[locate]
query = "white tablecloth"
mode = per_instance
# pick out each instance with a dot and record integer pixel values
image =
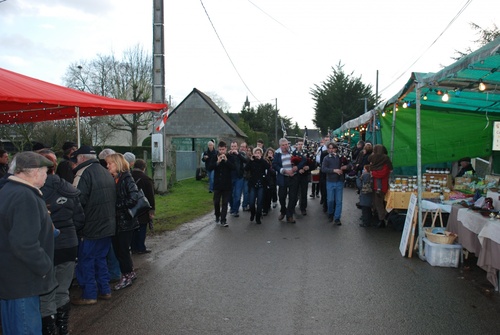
(482, 226)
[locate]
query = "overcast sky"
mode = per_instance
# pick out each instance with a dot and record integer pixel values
(280, 48)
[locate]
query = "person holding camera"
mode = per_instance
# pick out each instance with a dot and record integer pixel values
(270, 194)
(257, 183)
(238, 158)
(223, 185)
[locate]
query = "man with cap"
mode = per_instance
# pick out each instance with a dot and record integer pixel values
(98, 197)
(464, 166)
(26, 245)
(65, 168)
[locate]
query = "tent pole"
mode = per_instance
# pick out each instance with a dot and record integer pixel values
(77, 111)
(419, 174)
(393, 130)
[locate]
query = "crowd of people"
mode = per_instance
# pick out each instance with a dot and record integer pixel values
(64, 222)
(262, 177)
(69, 220)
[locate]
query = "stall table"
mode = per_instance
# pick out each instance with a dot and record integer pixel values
(479, 235)
(400, 200)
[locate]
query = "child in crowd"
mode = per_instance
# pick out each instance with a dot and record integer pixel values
(365, 185)
(381, 167)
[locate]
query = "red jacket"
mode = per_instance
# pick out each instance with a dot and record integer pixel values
(382, 174)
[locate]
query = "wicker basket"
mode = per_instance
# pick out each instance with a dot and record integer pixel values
(445, 237)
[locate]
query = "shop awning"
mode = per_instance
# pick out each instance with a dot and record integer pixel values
(24, 99)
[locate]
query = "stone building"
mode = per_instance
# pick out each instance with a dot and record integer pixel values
(195, 121)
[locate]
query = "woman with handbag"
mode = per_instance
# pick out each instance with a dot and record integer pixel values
(127, 196)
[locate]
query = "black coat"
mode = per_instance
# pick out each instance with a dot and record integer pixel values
(26, 242)
(239, 160)
(127, 194)
(222, 174)
(211, 155)
(258, 169)
(145, 184)
(98, 199)
(67, 215)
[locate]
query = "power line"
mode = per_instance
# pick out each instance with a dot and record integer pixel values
(467, 3)
(272, 18)
(227, 54)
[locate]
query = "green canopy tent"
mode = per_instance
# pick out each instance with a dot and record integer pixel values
(352, 127)
(448, 114)
(460, 126)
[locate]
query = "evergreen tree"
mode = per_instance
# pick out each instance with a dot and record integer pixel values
(340, 98)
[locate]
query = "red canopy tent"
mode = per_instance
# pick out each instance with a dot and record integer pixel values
(24, 99)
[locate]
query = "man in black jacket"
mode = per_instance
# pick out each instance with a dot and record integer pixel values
(26, 245)
(98, 198)
(223, 167)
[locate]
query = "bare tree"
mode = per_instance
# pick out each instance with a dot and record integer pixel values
(219, 101)
(18, 134)
(129, 78)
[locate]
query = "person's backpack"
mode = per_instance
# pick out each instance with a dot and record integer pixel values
(367, 186)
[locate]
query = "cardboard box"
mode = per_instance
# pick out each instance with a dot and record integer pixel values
(464, 180)
(491, 178)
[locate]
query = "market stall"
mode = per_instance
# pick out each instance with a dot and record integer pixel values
(480, 235)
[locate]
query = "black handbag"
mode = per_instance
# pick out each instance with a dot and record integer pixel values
(141, 207)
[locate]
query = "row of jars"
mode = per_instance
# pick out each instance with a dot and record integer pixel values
(431, 184)
(438, 170)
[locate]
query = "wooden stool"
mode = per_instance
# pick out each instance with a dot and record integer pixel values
(435, 213)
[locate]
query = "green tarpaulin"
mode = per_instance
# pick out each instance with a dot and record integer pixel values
(445, 136)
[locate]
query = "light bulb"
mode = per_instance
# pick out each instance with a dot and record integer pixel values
(405, 105)
(482, 86)
(425, 96)
(383, 113)
(445, 97)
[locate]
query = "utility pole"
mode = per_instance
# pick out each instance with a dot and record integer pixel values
(160, 168)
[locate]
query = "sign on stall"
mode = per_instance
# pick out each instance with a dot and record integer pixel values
(409, 225)
(496, 136)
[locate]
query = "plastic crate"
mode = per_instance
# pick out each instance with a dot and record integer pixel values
(445, 255)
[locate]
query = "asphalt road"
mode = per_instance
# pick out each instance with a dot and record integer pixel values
(311, 277)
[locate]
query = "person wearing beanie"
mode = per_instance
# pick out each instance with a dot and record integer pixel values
(130, 158)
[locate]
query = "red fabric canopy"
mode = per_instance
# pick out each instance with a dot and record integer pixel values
(24, 99)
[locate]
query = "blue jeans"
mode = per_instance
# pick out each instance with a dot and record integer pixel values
(236, 197)
(21, 316)
(334, 193)
(92, 269)
(256, 195)
(246, 194)
(211, 180)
